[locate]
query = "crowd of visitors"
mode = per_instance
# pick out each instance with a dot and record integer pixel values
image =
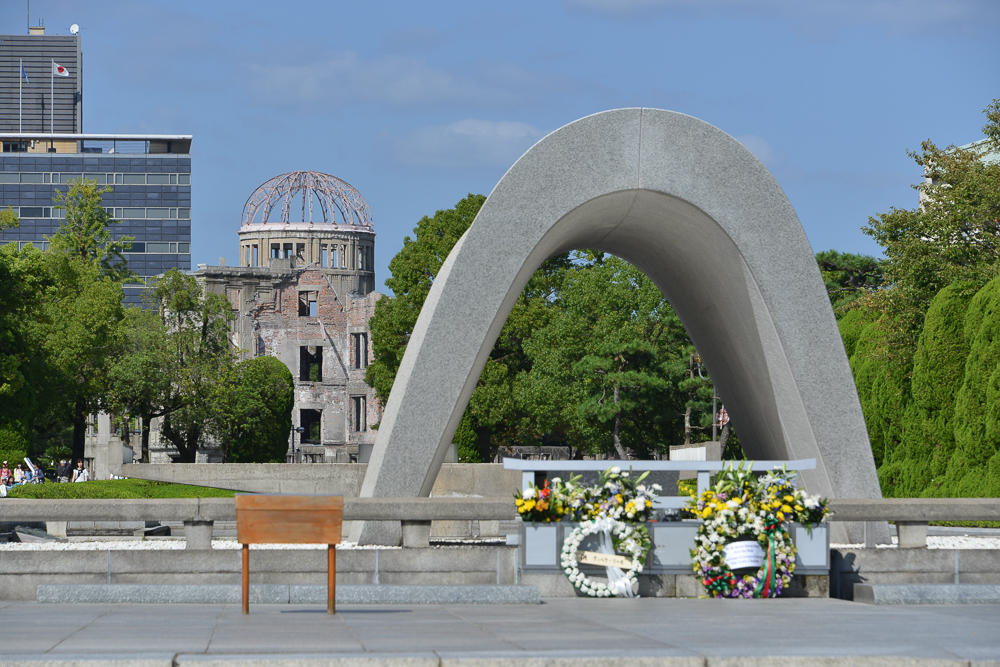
(29, 473)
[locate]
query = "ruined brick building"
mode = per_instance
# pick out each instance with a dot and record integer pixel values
(304, 292)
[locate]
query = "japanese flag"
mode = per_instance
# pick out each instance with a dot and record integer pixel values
(59, 70)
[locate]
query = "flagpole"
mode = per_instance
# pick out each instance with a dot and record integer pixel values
(52, 97)
(20, 80)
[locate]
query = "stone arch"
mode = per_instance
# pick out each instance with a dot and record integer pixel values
(703, 218)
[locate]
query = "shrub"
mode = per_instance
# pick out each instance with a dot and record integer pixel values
(977, 402)
(882, 388)
(938, 369)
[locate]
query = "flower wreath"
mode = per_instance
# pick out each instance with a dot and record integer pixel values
(772, 576)
(739, 505)
(633, 540)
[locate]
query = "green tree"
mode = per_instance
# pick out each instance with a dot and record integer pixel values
(141, 375)
(9, 219)
(253, 411)
(954, 233)
(848, 276)
(200, 354)
(80, 320)
(86, 229)
(621, 377)
(609, 327)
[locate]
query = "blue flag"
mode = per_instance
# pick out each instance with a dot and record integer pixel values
(24, 74)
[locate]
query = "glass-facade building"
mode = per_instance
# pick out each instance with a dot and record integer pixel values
(150, 181)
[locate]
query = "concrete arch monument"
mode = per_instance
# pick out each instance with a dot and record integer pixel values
(701, 216)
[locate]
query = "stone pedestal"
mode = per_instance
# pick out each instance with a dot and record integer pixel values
(198, 534)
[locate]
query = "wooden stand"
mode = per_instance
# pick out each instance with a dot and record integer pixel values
(264, 519)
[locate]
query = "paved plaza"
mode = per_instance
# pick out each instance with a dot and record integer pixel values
(559, 631)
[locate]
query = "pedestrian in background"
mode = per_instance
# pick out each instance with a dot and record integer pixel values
(63, 471)
(81, 474)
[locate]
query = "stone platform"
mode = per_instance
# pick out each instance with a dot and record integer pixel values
(284, 594)
(927, 593)
(558, 632)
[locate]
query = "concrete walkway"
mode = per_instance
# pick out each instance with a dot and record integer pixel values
(560, 631)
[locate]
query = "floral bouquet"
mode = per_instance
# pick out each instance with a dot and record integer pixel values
(550, 502)
(619, 495)
(742, 507)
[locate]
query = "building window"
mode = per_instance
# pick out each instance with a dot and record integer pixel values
(324, 256)
(359, 341)
(310, 421)
(275, 250)
(311, 363)
(359, 421)
(15, 147)
(307, 304)
(287, 250)
(255, 257)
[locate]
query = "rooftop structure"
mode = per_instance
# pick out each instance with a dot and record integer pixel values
(41, 82)
(308, 218)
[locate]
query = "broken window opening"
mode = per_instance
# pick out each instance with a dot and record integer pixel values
(275, 250)
(360, 344)
(307, 304)
(310, 421)
(360, 421)
(311, 363)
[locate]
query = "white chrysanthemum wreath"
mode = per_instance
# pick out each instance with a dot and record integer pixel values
(626, 537)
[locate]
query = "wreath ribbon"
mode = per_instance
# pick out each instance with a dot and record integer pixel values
(766, 582)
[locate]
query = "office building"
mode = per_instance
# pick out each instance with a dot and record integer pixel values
(150, 178)
(45, 148)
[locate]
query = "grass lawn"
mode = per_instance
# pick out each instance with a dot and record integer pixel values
(117, 488)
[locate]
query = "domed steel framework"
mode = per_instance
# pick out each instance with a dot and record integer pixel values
(312, 193)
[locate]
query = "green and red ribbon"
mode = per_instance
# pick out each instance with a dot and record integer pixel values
(720, 583)
(766, 583)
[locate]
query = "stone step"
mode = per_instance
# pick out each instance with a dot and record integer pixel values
(927, 593)
(286, 594)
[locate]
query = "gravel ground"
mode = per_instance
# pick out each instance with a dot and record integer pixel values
(126, 544)
(940, 542)
(129, 544)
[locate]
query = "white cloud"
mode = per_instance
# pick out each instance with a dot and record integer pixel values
(467, 143)
(348, 78)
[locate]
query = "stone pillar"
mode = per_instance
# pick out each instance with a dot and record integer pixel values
(911, 535)
(198, 534)
(416, 534)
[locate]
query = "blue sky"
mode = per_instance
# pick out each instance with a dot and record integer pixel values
(418, 104)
